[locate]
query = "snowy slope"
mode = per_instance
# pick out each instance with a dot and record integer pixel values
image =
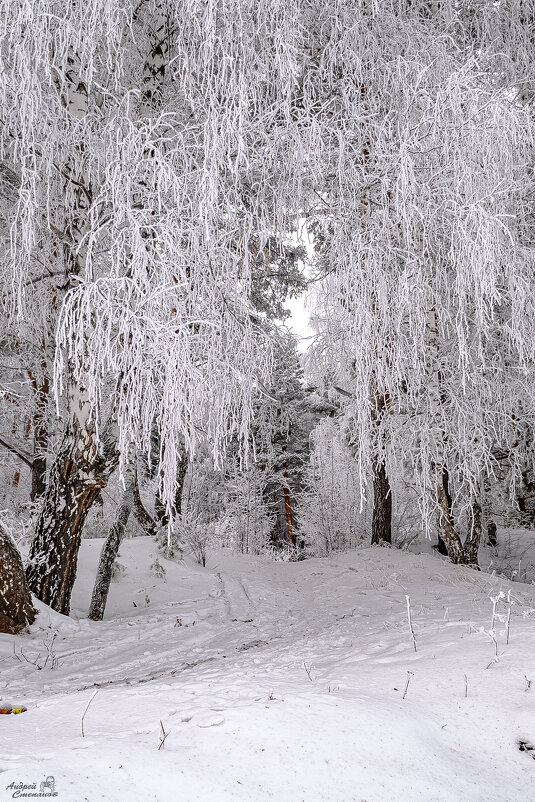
(284, 681)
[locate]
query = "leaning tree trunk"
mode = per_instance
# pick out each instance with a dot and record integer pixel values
(382, 507)
(110, 550)
(16, 608)
(81, 469)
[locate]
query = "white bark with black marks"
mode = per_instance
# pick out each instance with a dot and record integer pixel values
(110, 549)
(81, 469)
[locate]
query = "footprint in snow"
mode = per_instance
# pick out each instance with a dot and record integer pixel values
(208, 719)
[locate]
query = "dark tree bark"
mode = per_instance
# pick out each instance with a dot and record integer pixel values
(382, 494)
(181, 476)
(81, 469)
(110, 550)
(160, 511)
(288, 515)
(16, 608)
(38, 478)
(141, 515)
(40, 436)
(446, 529)
(382, 507)
(491, 533)
(444, 501)
(471, 544)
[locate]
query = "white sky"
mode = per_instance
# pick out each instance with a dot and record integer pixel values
(299, 321)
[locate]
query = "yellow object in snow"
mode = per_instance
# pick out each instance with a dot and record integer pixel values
(12, 708)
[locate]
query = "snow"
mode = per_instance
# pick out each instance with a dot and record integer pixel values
(284, 681)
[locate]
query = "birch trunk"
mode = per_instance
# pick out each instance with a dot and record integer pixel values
(110, 550)
(80, 471)
(83, 465)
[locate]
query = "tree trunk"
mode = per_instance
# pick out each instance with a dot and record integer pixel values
(288, 515)
(160, 511)
(446, 528)
(16, 608)
(491, 533)
(489, 520)
(445, 479)
(382, 494)
(382, 507)
(38, 478)
(110, 549)
(140, 513)
(40, 435)
(471, 544)
(181, 476)
(81, 469)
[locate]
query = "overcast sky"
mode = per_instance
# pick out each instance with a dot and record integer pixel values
(299, 320)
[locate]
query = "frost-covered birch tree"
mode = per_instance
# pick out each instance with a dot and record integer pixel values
(426, 316)
(147, 139)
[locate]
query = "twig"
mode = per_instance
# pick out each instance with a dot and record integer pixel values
(163, 736)
(508, 621)
(409, 675)
(410, 623)
(85, 711)
(495, 600)
(307, 669)
(465, 686)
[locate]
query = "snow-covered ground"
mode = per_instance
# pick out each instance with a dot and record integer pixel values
(279, 681)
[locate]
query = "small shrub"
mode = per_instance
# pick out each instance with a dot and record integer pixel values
(158, 570)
